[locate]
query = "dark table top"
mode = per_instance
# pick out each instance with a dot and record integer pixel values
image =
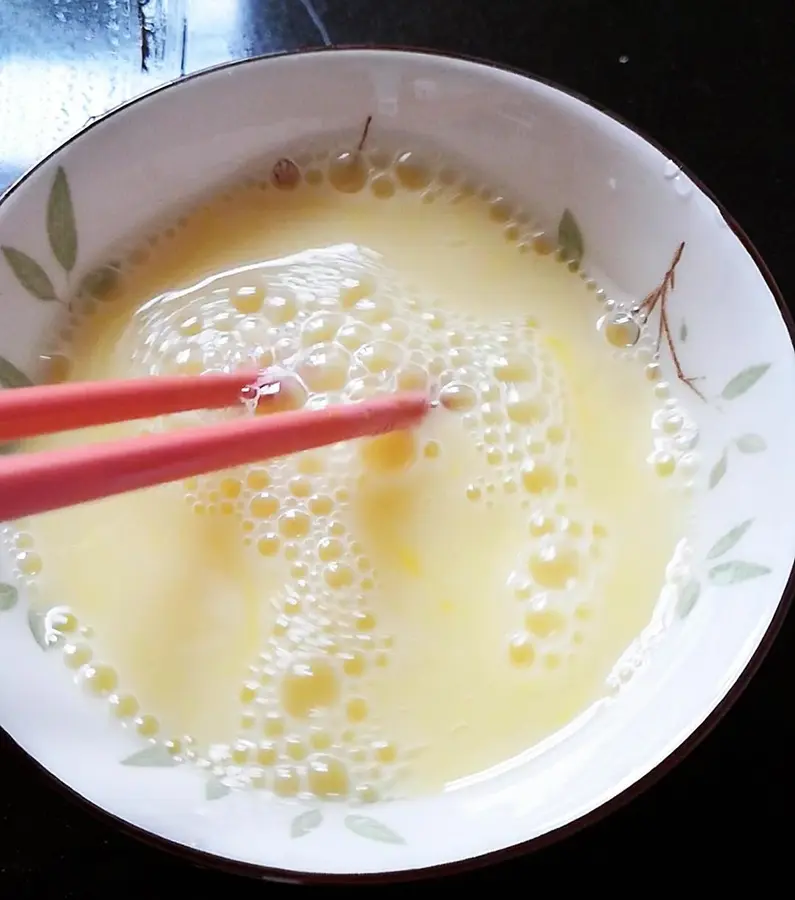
(715, 84)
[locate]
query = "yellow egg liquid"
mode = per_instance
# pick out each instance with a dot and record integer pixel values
(387, 616)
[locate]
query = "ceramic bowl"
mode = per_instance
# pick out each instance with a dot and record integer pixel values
(617, 202)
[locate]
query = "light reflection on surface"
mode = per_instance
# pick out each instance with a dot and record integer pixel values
(63, 62)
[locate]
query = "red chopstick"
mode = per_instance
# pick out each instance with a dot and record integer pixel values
(47, 409)
(39, 482)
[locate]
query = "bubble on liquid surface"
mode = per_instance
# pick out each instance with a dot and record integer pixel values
(328, 777)
(556, 565)
(521, 651)
(458, 397)
(348, 172)
(620, 329)
(335, 325)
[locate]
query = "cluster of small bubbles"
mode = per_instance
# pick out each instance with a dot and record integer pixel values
(356, 168)
(303, 719)
(328, 326)
(674, 433)
(675, 438)
(350, 169)
(59, 627)
(678, 581)
(333, 325)
(26, 559)
(308, 731)
(553, 584)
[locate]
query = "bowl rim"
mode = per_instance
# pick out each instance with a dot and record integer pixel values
(208, 860)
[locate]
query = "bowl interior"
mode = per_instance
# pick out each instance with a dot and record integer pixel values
(632, 207)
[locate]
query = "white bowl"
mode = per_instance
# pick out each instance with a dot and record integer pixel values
(633, 206)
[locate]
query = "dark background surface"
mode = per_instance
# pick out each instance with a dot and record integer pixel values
(715, 84)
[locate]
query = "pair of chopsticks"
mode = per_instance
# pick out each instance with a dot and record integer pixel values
(52, 479)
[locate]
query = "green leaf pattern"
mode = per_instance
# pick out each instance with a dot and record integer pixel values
(748, 443)
(8, 597)
(722, 574)
(751, 443)
(155, 756)
(305, 822)
(744, 381)
(372, 829)
(719, 471)
(688, 597)
(11, 376)
(62, 235)
(215, 789)
(735, 572)
(570, 240)
(61, 225)
(30, 274)
(732, 537)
